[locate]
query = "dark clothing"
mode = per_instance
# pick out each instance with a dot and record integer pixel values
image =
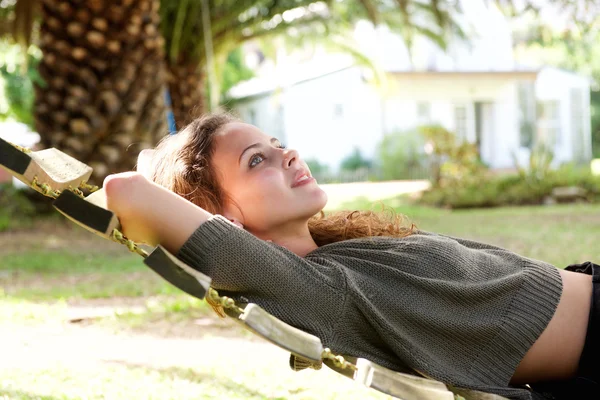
(586, 385)
(462, 312)
(589, 368)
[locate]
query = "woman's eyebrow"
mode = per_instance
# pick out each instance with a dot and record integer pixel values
(246, 149)
(273, 141)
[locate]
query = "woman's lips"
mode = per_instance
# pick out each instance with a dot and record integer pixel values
(305, 179)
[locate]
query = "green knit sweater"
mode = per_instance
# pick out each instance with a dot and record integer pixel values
(459, 311)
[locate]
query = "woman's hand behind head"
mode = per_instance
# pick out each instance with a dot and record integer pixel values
(128, 195)
(151, 214)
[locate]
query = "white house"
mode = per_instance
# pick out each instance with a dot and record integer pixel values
(327, 107)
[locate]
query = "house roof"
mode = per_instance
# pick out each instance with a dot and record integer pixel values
(514, 73)
(258, 87)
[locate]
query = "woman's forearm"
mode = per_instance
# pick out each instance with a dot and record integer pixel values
(150, 213)
(174, 219)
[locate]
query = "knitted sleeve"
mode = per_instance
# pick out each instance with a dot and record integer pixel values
(306, 294)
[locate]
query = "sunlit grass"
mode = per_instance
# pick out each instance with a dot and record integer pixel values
(45, 275)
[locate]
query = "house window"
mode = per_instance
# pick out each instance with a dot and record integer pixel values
(424, 112)
(338, 110)
(548, 124)
(577, 121)
(526, 104)
(460, 122)
(252, 117)
(279, 124)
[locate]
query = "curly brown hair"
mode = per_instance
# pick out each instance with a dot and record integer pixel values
(182, 164)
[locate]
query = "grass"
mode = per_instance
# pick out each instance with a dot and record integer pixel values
(43, 275)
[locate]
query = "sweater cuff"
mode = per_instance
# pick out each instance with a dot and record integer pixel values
(203, 240)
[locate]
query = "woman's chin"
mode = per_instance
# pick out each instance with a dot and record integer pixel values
(318, 199)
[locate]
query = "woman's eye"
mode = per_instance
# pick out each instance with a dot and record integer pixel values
(255, 160)
(281, 146)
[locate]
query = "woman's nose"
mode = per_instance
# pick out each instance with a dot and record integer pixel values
(289, 157)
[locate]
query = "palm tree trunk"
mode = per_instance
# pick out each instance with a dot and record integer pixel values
(186, 85)
(105, 78)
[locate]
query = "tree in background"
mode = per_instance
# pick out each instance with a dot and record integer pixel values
(107, 63)
(317, 168)
(355, 161)
(16, 85)
(103, 67)
(234, 71)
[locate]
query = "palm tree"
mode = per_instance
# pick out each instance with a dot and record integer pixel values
(103, 67)
(233, 22)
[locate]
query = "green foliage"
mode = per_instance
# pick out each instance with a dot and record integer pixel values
(540, 163)
(508, 190)
(355, 161)
(464, 182)
(316, 167)
(18, 84)
(453, 160)
(14, 203)
(595, 113)
(400, 155)
(234, 71)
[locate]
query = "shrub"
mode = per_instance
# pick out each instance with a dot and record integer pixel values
(15, 208)
(355, 161)
(515, 189)
(316, 167)
(453, 160)
(400, 155)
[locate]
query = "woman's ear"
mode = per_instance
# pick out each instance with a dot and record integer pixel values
(233, 215)
(236, 222)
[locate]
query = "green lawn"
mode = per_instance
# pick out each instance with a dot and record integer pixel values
(44, 273)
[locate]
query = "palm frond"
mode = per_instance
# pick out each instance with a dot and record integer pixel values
(372, 11)
(25, 14)
(177, 30)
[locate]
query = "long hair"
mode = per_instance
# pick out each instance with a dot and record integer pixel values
(182, 164)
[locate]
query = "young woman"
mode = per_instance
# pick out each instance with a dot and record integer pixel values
(462, 312)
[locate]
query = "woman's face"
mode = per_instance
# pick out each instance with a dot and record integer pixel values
(271, 187)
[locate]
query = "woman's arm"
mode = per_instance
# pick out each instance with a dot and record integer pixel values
(150, 213)
(235, 259)
(306, 294)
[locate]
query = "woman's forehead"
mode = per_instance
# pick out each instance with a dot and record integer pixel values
(238, 134)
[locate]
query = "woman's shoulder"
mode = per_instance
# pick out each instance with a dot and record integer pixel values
(370, 243)
(420, 243)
